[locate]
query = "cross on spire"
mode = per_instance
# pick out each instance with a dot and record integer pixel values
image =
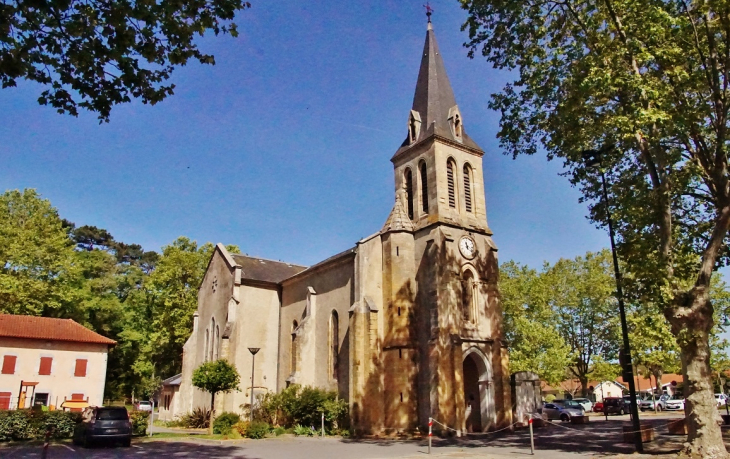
(429, 11)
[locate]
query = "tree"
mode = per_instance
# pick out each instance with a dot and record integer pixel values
(650, 78)
(529, 324)
(97, 54)
(36, 257)
(585, 309)
(214, 377)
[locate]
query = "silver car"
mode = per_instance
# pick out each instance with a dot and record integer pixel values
(562, 409)
(675, 404)
(585, 403)
(647, 403)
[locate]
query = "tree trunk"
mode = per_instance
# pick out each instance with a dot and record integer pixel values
(212, 411)
(691, 323)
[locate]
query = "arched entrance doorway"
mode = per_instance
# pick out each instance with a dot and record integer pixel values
(478, 392)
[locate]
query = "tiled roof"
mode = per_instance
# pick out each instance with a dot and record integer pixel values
(260, 269)
(173, 380)
(47, 328)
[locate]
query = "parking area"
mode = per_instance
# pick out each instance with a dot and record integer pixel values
(598, 438)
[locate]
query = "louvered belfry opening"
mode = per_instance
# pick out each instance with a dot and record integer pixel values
(424, 188)
(452, 186)
(409, 192)
(467, 188)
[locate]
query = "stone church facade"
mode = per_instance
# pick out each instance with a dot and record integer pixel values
(406, 325)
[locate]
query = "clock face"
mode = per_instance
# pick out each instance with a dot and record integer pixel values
(467, 247)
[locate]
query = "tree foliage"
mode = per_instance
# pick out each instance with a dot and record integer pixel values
(96, 54)
(651, 78)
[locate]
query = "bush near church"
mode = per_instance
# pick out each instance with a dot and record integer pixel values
(33, 424)
(140, 420)
(297, 405)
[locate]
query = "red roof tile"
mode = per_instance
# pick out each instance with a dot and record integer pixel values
(46, 328)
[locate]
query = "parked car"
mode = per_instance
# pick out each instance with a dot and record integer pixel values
(615, 405)
(103, 423)
(648, 402)
(562, 409)
(721, 400)
(143, 405)
(598, 407)
(674, 404)
(585, 403)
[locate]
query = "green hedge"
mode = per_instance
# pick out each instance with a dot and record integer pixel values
(33, 424)
(223, 423)
(140, 421)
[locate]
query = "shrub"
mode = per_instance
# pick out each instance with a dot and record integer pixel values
(224, 423)
(258, 430)
(549, 398)
(300, 430)
(241, 427)
(199, 418)
(140, 420)
(279, 431)
(302, 405)
(33, 424)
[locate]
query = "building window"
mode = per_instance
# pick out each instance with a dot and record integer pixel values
(334, 341)
(44, 369)
(212, 338)
(217, 344)
(450, 182)
(409, 192)
(424, 187)
(414, 123)
(467, 187)
(207, 344)
(457, 126)
(469, 295)
(80, 370)
(9, 364)
(293, 350)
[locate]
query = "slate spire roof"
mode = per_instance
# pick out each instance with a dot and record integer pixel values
(434, 97)
(398, 219)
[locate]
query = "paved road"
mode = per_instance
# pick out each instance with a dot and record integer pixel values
(598, 438)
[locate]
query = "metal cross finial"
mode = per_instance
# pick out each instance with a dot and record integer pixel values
(429, 11)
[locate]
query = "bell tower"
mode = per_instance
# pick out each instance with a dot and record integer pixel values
(438, 165)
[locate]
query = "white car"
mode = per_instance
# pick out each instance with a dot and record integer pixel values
(674, 404)
(144, 406)
(721, 400)
(585, 403)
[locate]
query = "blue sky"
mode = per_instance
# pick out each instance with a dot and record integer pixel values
(283, 146)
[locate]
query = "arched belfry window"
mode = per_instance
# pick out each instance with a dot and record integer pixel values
(424, 186)
(293, 349)
(450, 166)
(334, 341)
(467, 188)
(469, 296)
(409, 192)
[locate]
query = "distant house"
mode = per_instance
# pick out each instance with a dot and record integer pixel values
(605, 389)
(169, 404)
(51, 362)
(668, 384)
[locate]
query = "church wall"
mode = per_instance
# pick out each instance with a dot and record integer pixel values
(329, 288)
(213, 296)
(256, 325)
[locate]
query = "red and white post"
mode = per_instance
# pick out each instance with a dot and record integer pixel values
(532, 439)
(430, 433)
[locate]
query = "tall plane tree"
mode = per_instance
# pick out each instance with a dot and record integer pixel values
(650, 77)
(99, 53)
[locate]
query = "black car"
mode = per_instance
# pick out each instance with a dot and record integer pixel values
(104, 423)
(615, 405)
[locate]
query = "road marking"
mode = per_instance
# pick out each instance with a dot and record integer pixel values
(68, 448)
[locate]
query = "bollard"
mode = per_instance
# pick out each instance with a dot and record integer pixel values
(322, 425)
(532, 439)
(430, 433)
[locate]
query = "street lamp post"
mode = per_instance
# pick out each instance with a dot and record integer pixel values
(593, 159)
(253, 351)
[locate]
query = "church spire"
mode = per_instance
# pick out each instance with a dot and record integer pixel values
(434, 109)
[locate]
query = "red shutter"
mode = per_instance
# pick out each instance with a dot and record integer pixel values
(77, 396)
(5, 400)
(45, 367)
(9, 364)
(80, 368)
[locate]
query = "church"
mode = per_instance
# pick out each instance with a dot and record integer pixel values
(405, 325)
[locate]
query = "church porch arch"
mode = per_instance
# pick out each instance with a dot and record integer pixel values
(478, 385)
